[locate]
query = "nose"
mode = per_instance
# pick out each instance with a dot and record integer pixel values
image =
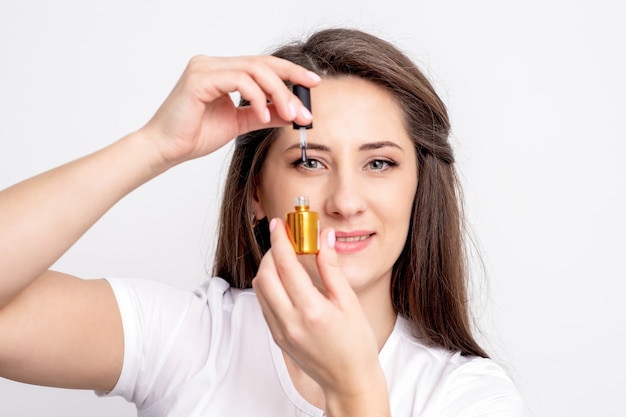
(346, 196)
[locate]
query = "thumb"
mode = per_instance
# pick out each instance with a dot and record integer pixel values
(329, 268)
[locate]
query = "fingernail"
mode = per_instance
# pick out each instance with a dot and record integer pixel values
(305, 113)
(267, 115)
(330, 239)
(292, 110)
(272, 225)
(313, 76)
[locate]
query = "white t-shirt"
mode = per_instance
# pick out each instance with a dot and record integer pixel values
(210, 353)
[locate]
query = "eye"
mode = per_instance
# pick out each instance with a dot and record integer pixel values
(309, 164)
(380, 164)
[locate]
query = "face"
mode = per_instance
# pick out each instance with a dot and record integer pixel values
(360, 176)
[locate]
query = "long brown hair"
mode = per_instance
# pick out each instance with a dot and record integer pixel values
(428, 284)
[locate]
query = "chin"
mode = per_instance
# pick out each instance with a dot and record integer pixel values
(358, 274)
(361, 278)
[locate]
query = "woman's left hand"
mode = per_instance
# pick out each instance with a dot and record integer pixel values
(326, 332)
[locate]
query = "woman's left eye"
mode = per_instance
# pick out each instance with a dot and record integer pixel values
(380, 164)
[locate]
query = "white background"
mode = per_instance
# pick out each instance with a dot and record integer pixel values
(535, 91)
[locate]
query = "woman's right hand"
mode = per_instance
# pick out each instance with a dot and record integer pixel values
(62, 331)
(199, 116)
(44, 216)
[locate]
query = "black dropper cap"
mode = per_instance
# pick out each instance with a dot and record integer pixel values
(304, 94)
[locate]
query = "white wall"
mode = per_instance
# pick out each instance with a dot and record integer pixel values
(536, 95)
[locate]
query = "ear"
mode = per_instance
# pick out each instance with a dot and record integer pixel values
(257, 206)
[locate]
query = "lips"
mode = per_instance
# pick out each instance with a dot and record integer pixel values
(352, 242)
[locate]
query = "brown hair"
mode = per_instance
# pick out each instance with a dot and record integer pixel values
(428, 284)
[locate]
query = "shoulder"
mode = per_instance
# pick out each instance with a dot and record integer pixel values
(225, 302)
(447, 383)
(171, 335)
(148, 306)
(480, 386)
(214, 293)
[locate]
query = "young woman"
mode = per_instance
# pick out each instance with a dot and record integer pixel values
(376, 324)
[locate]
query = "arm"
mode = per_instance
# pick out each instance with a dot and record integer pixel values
(42, 217)
(59, 330)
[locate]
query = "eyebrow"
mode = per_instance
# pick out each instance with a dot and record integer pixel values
(365, 147)
(377, 145)
(309, 145)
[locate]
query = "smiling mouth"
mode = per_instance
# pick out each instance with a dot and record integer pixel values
(353, 238)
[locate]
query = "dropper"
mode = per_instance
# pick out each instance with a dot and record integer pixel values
(304, 94)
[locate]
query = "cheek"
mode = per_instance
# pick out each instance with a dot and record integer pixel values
(274, 207)
(399, 209)
(275, 193)
(280, 199)
(397, 198)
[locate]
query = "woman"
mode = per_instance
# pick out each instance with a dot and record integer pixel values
(375, 324)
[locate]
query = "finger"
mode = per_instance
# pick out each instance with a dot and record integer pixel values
(254, 94)
(286, 70)
(210, 86)
(330, 270)
(280, 325)
(288, 106)
(248, 119)
(274, 320)
(275, 304)
(269, 285)
(297, 282)
(270, 73)
(266, 307)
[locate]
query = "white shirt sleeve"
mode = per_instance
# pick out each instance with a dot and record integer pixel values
(480, 387)
(159, 321)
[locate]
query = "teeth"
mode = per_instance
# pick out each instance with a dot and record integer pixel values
(352, 238)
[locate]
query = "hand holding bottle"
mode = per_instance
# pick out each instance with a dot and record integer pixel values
(324, 331)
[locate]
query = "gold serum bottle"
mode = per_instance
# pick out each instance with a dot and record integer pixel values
(303, 227)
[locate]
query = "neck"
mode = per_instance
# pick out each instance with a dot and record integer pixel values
(382, 319)
(379, 313)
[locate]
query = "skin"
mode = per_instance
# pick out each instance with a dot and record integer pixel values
(64, 331)
(361, 177)
(59, 330)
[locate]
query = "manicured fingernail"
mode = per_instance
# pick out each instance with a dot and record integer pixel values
(292, 110)
(313, 76)
(272, 225)
(305, 113)
(330, 239)
(267, 116)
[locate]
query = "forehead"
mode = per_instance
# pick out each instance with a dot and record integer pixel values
(352, 110)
